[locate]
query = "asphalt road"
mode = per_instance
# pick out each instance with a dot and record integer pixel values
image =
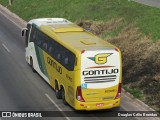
(23, 90)
(154, 3)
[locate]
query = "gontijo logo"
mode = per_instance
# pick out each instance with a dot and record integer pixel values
(100, 58)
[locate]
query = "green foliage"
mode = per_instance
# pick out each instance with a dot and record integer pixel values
(115, 31)
(135, 92)
(145, 17)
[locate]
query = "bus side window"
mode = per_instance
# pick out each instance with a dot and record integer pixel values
(59, 53)
(66, 60)
(56, 51)
(59, 56)
(40, 39)
(71, 61)
(45, 43)
(50, 47)
(39, 42)
(33, 34)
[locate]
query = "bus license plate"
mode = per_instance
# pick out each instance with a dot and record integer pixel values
(100, 104)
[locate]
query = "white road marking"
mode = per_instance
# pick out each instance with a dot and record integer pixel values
(57, 106)
(11, 20)
(5, 47)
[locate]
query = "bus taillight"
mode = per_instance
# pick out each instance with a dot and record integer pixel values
(116, 49)
(119, 91)
(82, 51)
(79, 94)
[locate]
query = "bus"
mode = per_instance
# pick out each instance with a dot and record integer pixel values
(84, 70)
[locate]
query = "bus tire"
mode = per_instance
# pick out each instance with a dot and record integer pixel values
(116, 109)
(63, 96)
(31, 64)
(57, 91)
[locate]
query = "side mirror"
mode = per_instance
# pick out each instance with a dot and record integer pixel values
(23, 32)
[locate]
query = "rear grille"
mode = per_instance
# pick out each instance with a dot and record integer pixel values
(100, 79)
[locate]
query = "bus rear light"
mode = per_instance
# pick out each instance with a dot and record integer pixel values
(119, 91)
(116, 49)
(82, 51)
(79, 94)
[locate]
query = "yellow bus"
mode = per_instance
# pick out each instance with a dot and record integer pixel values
(84, 70)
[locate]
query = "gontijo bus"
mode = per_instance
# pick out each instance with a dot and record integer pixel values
(84, 70)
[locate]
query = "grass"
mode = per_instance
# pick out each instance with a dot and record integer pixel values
(135, 92)
(141, 69)
(145, 17)
(115, 31)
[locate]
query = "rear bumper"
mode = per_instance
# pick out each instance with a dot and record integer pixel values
(93, 105)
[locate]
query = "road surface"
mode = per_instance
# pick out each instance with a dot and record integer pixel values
(154, 3)
(23, 90)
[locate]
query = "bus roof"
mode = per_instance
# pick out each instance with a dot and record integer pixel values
(70, 34)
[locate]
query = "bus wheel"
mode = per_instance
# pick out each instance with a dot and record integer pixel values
(57, 91)
(116, 109)
(31, 64)
(63, 96)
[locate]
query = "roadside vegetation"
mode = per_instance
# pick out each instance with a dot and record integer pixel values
(146, 18)
(132, 27)
(141, 58)
(135, 92)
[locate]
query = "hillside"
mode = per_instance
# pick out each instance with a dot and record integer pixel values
(134, 28)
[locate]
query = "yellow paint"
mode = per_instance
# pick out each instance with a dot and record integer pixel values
(71, 79)
(101, 58)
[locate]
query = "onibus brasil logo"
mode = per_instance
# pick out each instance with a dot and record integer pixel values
(100, 58)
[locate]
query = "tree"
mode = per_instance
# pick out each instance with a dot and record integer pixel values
(10, 2)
